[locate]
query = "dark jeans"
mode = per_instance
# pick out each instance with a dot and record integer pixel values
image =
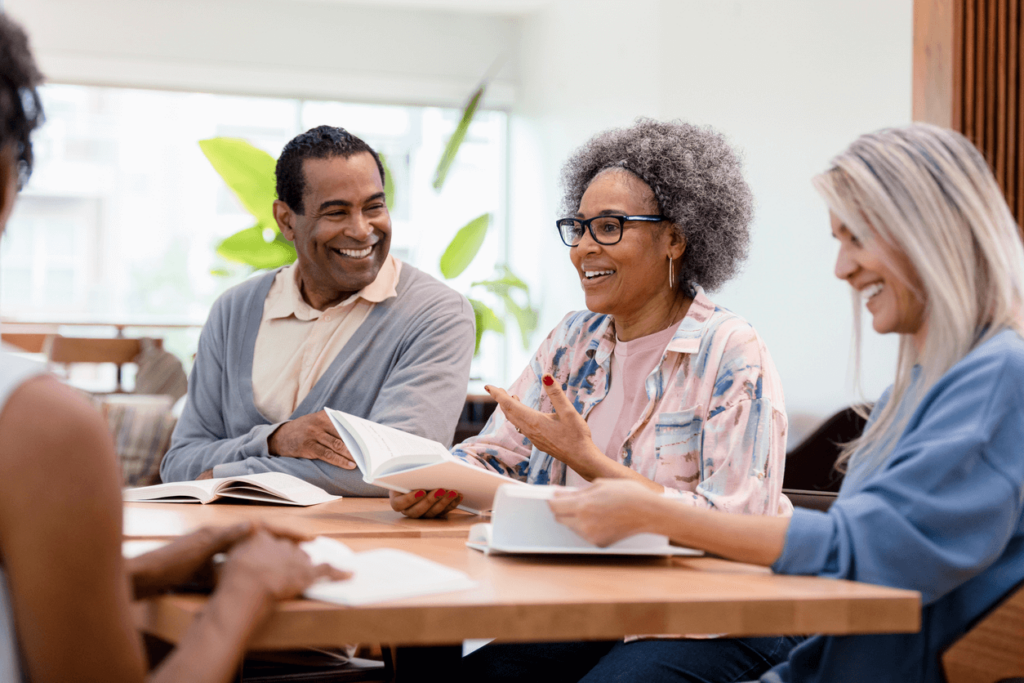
(718, 660)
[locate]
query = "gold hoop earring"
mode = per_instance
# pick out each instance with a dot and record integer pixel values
(671, 274)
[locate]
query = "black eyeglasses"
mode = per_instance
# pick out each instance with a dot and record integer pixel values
(605, 230)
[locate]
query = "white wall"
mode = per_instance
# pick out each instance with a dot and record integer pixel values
(790, 82)
(286, 48)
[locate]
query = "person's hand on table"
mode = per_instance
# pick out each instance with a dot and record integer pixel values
(312, 437)
(274, 567)
(189, 559)
(607, 511)
(429, 504)
(563, 434)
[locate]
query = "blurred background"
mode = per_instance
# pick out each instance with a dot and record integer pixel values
(120, 222)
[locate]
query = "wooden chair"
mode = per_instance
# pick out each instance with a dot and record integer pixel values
(119, 351)
(993, 650)
(30, 342)
(811, 479)
(475, 413)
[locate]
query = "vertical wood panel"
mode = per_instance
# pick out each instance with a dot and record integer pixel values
(969, 94)
(982, 70)
(1012, 105)
(1001, 75)
(990, 82)
(936, 67)
(1019, 30)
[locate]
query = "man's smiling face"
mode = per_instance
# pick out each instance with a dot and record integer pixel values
(344, 235)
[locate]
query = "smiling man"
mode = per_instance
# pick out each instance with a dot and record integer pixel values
(347, 326)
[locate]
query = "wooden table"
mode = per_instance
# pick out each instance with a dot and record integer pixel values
(558, 598)
(346, 518)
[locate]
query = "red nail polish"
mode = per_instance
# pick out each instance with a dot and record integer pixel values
(451, 494)
(548, 380)
(420, 494)
(439, 494)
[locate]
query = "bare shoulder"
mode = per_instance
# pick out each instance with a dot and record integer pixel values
(51, 436)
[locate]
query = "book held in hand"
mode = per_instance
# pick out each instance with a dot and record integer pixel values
(522, 522)
(265, 487)
(403, 462)
(379, 575)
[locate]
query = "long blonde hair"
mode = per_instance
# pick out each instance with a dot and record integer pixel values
(929, 196)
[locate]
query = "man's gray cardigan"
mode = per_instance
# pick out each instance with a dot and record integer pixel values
(406, 366)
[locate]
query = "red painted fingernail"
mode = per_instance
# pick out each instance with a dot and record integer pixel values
(548, 380)
(451, 494)
(420, 494)
(439, 494)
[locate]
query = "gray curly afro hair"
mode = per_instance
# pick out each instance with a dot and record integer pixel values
(696, 177)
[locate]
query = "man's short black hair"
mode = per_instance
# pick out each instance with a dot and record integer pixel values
(322, 142)
(21, 111)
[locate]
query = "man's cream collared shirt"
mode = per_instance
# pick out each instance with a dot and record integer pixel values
(296, 343)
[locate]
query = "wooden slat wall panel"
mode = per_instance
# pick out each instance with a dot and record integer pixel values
(1017, 27)
(988, 88)
(1013, 113)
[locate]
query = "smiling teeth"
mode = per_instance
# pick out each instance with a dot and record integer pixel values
(871, 291)
(355, 253)
(590, 274)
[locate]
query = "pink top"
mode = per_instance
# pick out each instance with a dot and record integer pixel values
(612, 418)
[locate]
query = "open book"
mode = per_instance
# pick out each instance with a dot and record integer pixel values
(265, 487)
(403, 462)
(378, 575)
(522, 522)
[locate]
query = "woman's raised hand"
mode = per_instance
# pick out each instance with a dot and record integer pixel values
(563, 434)
(606, 512)
(429, 504)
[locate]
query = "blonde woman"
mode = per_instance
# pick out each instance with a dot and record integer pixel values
(932, 495)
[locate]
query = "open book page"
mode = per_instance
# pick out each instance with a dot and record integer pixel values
(384, 448)
(522, 522)
(274, 487)
(379, 575)
(265, 487)
(176, 492)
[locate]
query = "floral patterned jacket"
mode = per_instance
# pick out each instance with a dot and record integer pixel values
(713, 432)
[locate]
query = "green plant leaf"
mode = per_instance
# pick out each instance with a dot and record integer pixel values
(389, 183)
(526, 318)
(502, 284)
(248, 171)
(248, 246)
(455, 141)
(463, 248)
(486, 319)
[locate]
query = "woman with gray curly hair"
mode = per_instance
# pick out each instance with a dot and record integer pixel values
(654, 382)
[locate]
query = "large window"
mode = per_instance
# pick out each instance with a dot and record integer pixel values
(121, 217)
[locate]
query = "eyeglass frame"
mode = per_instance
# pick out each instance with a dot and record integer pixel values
(588, 226)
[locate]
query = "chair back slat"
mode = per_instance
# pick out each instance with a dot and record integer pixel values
(993, 650)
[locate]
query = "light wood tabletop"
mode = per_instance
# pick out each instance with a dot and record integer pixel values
(345, 518)
(529, 598)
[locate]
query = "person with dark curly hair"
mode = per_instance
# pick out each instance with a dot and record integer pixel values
(65, 590)
(347, 326)
(653, 382)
